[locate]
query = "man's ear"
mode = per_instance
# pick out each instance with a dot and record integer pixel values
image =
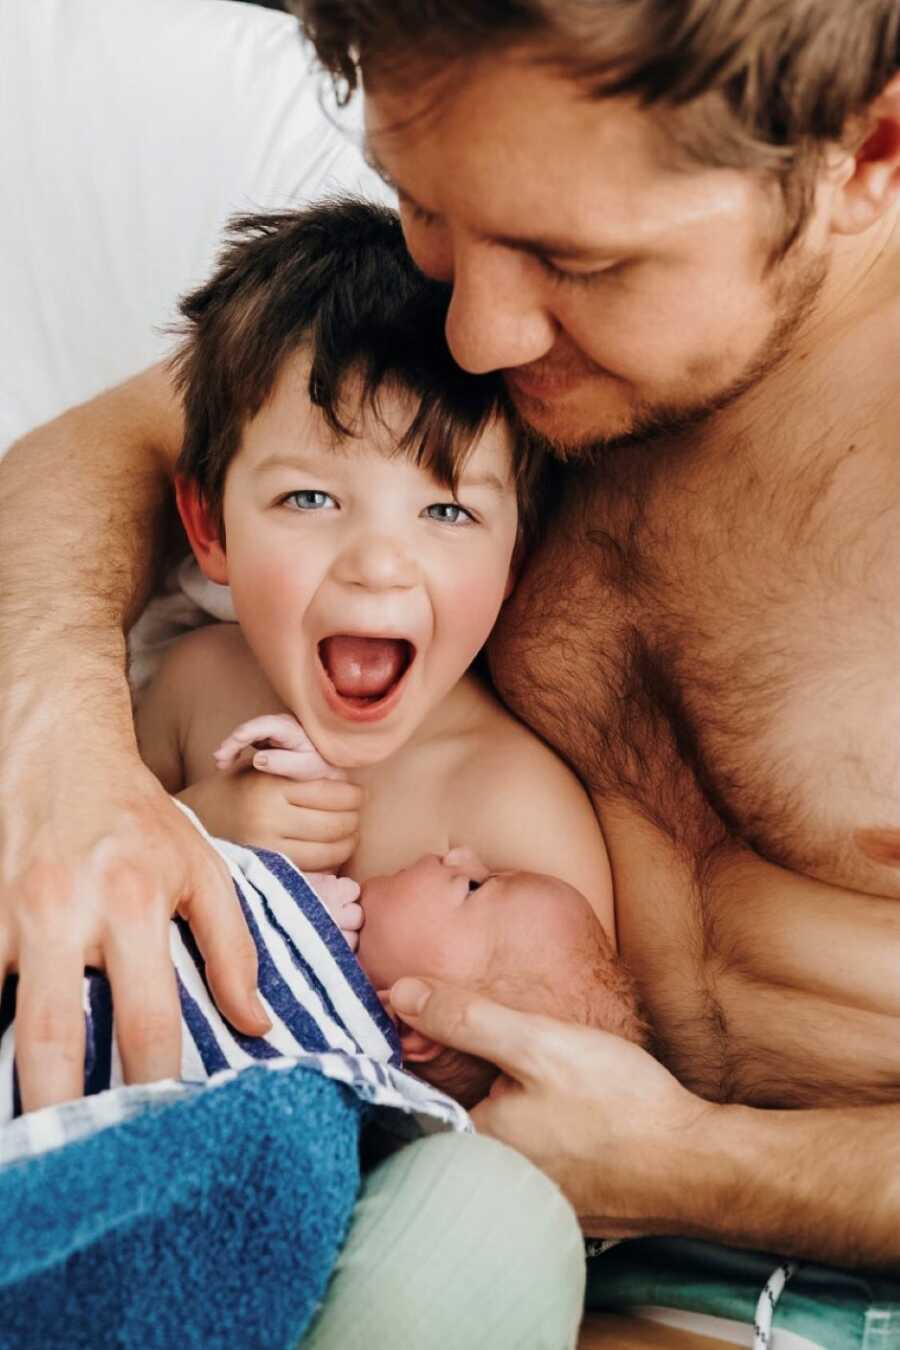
(202, 530)
(414, 1047)
(871, 174)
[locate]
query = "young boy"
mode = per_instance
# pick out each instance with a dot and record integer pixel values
(365, 501)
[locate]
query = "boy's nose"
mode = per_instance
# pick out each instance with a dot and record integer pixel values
(378, 562)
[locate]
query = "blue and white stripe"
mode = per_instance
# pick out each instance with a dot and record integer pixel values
(325, 1015)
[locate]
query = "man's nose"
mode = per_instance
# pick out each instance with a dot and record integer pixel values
(378, 562)
(496, 318)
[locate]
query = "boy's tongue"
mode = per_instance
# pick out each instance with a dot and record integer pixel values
(363, 667)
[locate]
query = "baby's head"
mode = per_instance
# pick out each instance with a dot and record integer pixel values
(529, 941)
(362, 496)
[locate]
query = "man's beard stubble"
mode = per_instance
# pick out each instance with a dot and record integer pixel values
(795, 290)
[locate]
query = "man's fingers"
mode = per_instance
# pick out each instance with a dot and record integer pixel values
(145, 1003)
(231, 966)
(50, 1025)
(470, 1022)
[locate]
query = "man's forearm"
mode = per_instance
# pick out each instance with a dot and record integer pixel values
(82, 498)
(821, 1184)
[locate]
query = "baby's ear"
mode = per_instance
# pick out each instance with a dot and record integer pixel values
(414, 1047)
(202, 530)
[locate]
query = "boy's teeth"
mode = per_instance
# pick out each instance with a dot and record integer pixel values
(363, 667)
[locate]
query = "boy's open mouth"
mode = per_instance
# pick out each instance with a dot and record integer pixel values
(363, 675)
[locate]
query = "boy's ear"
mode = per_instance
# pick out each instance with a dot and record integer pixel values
(871, 175)
(202, 530)
(415, 1048)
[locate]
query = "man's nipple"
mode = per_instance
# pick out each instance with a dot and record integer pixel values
(879, 846)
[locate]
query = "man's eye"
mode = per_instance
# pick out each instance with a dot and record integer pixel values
(567, 278)
(309, 499)
(449, 513)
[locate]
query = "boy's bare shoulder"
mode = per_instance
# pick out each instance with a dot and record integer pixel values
(202, 649)
(514, 801)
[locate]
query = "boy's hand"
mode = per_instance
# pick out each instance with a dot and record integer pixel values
(315, 824)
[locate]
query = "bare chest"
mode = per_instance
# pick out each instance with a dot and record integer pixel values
(709, 652)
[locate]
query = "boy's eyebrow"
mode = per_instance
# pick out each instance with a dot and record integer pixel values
(487, 480)
(281, 460)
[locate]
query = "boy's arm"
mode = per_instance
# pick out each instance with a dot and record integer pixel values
(95, 857)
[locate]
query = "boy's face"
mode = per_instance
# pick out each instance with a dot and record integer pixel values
(449, 918)
(363, 587)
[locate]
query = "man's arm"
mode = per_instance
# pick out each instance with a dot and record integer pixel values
(637, 1154)
(94, 856)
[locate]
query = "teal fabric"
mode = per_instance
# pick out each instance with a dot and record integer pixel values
(835, 1309)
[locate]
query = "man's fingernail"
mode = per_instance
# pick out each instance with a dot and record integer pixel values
(410, 996)
(260, 1010)
(260, 761)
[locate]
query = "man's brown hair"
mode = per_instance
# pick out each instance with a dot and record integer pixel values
(762, 85)
(336, 280)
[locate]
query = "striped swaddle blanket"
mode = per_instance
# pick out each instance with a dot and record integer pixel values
(324, 1013)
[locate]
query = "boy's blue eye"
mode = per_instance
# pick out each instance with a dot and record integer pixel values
(449, 513)
(310, 499)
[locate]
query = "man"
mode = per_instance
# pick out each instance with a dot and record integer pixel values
(673, 226)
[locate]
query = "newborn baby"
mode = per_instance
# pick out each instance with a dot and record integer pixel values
(532, 942)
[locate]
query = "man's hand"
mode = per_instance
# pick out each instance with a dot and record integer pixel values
(597, 1113)
(95, 861)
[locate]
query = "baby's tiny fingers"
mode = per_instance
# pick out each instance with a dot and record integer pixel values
(351, 917)
(301, 765)
(352, 939)
(280, 728)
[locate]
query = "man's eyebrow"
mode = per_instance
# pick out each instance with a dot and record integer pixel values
(542, 246)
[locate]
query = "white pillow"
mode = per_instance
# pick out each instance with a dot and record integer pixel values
(131, 129)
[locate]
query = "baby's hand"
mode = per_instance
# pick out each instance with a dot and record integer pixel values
(280, 746)
(340, 896)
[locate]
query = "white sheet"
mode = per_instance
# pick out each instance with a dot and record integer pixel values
(131, 129)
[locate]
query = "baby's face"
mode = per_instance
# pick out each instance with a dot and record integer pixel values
(449, 918)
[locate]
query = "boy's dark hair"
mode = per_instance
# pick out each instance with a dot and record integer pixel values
(336, 279)
(762, 85)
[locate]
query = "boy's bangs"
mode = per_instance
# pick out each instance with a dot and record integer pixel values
(442, 429)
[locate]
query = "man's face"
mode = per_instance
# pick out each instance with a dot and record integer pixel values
(363, 586)
(619, 294)
(450, 918)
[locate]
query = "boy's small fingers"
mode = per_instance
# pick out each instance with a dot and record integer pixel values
(324, 794)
